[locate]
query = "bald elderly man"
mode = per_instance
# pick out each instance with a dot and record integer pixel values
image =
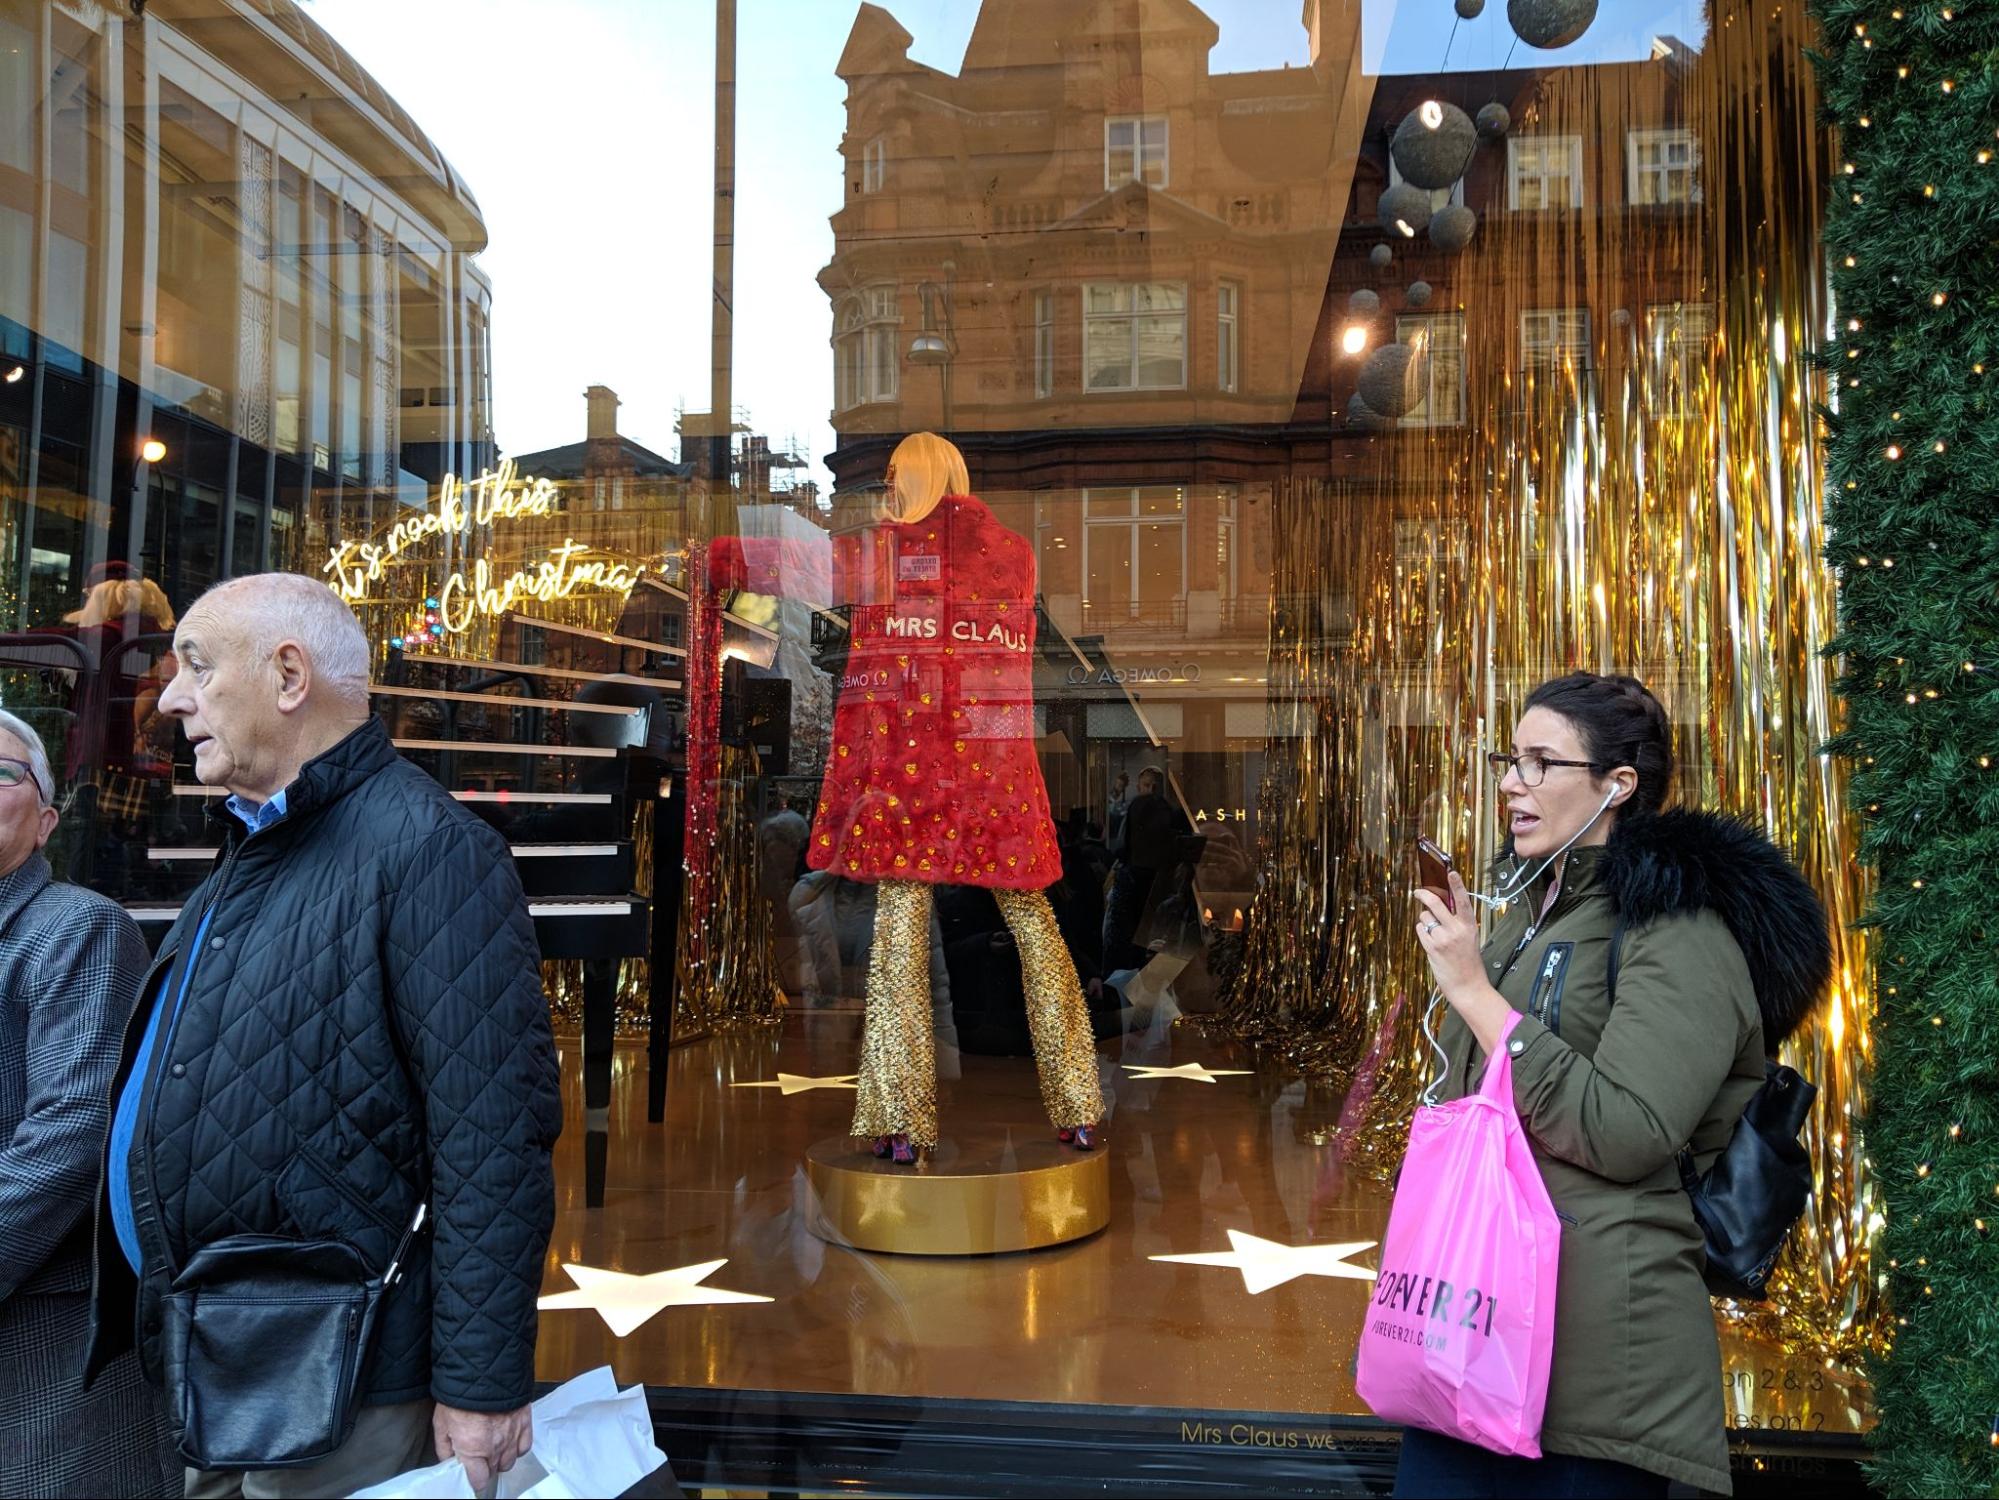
(346, 1023)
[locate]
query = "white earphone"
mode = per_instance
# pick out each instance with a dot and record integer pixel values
(1513, 888)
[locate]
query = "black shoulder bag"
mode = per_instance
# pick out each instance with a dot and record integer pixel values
(1747, 1201)
(265, 1342)
(266, 1339)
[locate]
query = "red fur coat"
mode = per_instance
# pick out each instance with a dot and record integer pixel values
(933, 774)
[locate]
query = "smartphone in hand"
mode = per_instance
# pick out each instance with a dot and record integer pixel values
(1433, 872)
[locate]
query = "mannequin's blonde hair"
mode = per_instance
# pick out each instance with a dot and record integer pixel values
(927, 468)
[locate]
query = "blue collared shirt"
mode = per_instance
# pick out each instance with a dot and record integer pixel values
(256, 816)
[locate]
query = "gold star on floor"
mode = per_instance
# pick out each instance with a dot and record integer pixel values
(625, 1302)
(1193, 1072)
(1265, 1263)
(800, 1083)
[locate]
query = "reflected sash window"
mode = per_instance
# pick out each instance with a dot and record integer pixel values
(291, 285)
(1228, 551)
(874, 165)
(1544, 171)
(1551, 337)
(1135, 336)
(1228, 333)
(1044, 343)
(1664, 166)
(1439, 342)
(1135, 150)
(324, 262)
(1676, 336)
(1135, 556)
(865, 356)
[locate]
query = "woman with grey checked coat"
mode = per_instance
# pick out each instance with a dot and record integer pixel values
(70, 965)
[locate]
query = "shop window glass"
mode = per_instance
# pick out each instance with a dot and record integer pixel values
(373, 317)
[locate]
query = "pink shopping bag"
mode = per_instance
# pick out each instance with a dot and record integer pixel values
(1462, 1325)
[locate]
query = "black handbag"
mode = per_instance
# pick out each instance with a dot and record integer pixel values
(265, 1341)
(1748, 1201)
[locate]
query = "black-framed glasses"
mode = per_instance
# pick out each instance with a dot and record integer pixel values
(13, 772)
(1531, 768)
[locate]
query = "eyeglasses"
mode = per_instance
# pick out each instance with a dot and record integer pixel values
(13, 772)
(1532, 769)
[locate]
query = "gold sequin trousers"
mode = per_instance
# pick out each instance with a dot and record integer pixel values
(897, 1090)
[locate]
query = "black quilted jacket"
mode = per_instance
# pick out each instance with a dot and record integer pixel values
(378, 916)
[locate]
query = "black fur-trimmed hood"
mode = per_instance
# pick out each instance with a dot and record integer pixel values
(1660, 864)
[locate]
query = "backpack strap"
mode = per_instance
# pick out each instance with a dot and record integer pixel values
(1616, 946)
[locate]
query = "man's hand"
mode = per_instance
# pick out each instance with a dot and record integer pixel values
(486, 1442)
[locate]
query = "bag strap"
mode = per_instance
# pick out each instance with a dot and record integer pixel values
(1616, 949)
(392, 1273)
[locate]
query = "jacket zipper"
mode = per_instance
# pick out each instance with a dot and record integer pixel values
(1544, 1001)
(1544, 920)
(150, 1103)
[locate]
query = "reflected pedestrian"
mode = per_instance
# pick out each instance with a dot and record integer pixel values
(70, 963)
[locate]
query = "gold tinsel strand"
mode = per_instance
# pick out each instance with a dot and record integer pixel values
(1619, 511)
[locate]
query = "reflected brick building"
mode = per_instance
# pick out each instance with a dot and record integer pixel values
(1119, 281)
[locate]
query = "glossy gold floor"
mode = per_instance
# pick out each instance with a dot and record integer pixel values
(1096, 1323)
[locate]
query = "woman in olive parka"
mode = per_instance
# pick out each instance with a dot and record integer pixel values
(1722, 950)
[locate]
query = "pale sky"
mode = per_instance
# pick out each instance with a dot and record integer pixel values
(586, 131)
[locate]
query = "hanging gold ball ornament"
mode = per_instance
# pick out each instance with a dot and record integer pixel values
(1391, 380)
(1550, 23)
(1470, 10)
(1452, 227)
(1364, 303)
(1405, 209)
(1494, 121)
(1419, 293)
(1433, 144)
(1381, 257)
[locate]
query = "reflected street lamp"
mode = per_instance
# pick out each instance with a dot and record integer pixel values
(937, 342)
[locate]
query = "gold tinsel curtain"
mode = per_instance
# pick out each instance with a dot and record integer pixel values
(1647, 501)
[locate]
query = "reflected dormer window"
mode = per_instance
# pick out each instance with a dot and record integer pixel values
(1135, 150)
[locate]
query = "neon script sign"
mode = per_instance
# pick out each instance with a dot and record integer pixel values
(501, 494)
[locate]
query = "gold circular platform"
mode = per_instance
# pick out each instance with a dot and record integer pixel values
(978, 1195)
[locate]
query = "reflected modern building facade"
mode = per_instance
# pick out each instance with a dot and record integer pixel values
(240, 314)
(249, 254)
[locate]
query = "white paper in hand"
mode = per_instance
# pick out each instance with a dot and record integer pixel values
(590, 1439)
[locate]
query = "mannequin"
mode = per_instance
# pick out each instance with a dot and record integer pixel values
(933, 779)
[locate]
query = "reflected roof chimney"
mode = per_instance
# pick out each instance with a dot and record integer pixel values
(603, 412)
